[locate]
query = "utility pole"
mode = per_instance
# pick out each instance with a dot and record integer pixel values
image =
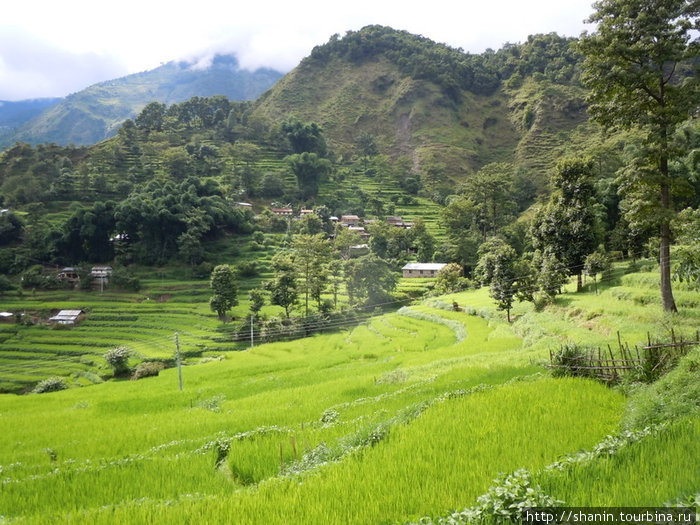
(179, 361)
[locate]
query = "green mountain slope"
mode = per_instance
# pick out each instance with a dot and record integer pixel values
(436, 105)
(14, 114)
(95, 113)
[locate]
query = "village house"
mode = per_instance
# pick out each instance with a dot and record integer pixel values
(422, 269)
(282, 212)
(360, 231)
(68, 317)
(349, 220)
(100, 276)
(398, 221)
(69, 275)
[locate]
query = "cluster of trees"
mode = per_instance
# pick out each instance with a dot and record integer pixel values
(159, 222)
(550, 56)
(311, 268)
(642, 76)
(40, 174)
(308, 161)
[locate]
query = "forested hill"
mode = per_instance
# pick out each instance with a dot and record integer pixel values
(448, 111)
(14, 114)
(95, 113)
(375, 124)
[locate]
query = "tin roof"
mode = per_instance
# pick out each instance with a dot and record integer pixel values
(424, 266)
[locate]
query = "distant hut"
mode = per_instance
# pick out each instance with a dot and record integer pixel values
(282, 212)
(100, 276)
(422, 269)
(69, 275)
(358, 250)
(349, 220)
(68, 317)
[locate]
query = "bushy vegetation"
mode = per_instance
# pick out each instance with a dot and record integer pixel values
(453, 70)
(674, 396)
(52, 384)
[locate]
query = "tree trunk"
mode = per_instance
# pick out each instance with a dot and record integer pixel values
(667, 300)
(579, 282)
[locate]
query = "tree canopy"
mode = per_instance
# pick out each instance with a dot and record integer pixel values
(641, 68)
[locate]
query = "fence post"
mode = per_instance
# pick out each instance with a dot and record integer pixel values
(179, 361)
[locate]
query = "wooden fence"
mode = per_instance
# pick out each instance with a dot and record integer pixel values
(608, 365)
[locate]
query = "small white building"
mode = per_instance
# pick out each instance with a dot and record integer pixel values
(68, 317)
(422, 269)
(358, 250)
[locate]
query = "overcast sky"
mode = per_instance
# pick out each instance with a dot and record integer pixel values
(53, 48)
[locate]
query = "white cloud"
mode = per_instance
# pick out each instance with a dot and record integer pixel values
(32, 68)
(66, 45)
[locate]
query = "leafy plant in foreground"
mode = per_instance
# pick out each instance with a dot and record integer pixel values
(51, 384)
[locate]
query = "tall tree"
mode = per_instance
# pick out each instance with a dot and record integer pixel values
(638, 69)
(224, 288)
(369, 280)
(497, 269)
(566, 227)
(311, 259)
(283, 287)
(305, 136)
(491, 189)
(459, 218)
(309, 169)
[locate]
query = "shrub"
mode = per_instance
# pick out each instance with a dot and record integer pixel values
(122, 278)
(52, 384)
(675, 395)
(118, 359)
(202, 270)
(248, 269)
(147, 369)
(5, 285)
(504, 502)
(212, 404)
(571, 360)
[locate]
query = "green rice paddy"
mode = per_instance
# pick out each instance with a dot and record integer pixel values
(411, 414)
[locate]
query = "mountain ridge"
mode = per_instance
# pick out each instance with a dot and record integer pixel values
(96, 112)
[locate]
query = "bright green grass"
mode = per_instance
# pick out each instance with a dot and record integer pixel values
(444, 457)
(448, 400)
(103, 437)
(657, 470)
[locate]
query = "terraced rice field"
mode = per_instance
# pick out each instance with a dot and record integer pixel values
(408, 416)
